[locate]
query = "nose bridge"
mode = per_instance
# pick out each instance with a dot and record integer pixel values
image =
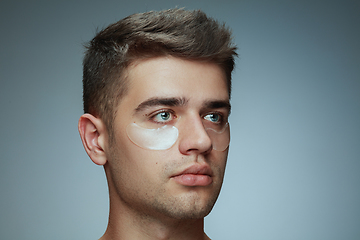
(193, 135)
(194, 124)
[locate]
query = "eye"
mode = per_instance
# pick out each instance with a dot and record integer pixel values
(163, 117)
(213, 117)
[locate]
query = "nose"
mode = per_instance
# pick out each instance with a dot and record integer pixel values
(194, 138)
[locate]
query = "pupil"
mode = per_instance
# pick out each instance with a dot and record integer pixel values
(164, 115)
(214, 117)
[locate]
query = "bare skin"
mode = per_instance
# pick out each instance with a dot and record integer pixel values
(162, 194)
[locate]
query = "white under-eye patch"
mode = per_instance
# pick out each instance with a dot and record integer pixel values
(154, 139)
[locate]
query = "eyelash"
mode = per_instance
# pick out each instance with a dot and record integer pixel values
(221, 117)
(152, 116)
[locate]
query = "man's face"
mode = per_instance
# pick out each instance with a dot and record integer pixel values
(182, 181)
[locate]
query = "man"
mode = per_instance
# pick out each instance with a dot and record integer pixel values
(156, 101)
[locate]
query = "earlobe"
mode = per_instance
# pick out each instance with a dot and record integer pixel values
(93, 135)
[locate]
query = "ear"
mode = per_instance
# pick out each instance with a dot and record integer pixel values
(93, 136)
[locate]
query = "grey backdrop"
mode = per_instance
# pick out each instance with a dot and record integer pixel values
(294, 164)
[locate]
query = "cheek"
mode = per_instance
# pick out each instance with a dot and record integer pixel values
(134, 162)
(219, 161)
(135, 170)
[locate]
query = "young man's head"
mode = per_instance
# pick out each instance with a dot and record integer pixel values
(156, 101)
(189, 35)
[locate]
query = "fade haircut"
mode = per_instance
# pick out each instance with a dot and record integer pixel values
(179, 33)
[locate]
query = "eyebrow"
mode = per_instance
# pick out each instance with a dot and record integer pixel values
(178, 102)
(170, 102)
(218, 104)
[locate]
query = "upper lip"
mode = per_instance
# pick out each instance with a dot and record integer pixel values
(196, 169)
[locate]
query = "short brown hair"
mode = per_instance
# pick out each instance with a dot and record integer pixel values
(175, 32)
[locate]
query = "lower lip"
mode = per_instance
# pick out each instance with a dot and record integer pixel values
(193, 180)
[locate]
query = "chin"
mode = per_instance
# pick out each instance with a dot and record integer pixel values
(189, 213)
(187, 207)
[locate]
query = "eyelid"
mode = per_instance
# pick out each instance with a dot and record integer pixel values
(209, 118)
(223, 117)
(152, 115)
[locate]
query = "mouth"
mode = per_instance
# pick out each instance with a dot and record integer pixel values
(195, 175)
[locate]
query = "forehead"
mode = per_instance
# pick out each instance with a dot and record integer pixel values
(174, 77)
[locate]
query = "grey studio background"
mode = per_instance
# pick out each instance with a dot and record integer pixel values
(294, 162)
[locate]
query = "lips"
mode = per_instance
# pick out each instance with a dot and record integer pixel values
(195, 175)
